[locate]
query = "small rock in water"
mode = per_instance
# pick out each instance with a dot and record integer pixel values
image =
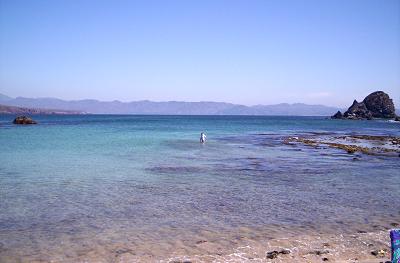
(285, 251)
(319, 252)
(24, 120)
(338, 115)
(379, 253)
(272, 254)
(124, 251)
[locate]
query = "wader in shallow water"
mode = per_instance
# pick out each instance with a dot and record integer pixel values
(202, 138)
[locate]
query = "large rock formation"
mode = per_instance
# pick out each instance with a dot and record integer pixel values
(375, 105)
(24, 120)
(380, 105)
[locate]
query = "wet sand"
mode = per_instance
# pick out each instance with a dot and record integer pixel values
(247, 246)
(358, 247)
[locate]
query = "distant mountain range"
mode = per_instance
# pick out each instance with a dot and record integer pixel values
(5, 109)
(167, 108)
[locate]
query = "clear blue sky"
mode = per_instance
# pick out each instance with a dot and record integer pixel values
(249, 52)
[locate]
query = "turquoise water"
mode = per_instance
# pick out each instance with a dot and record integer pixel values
(145, 182)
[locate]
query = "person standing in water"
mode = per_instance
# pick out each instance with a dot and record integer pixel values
(202, 137)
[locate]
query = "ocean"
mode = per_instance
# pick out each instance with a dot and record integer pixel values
(105, 188)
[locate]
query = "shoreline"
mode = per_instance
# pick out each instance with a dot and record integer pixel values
(358, 247)
(362, 246)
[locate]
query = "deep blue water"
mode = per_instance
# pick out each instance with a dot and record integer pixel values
(87, 177)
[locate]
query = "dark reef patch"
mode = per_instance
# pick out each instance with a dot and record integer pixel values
(175, 169)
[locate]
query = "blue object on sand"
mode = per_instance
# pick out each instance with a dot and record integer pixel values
(395, 237)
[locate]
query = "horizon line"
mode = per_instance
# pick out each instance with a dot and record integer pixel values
(179, 101)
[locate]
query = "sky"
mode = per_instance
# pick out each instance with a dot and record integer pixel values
(248, 52)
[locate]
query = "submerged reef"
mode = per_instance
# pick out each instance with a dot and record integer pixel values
(366, 144)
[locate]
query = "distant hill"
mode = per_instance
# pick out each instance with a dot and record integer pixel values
(169, 107)
(4, 109)
(4, 97)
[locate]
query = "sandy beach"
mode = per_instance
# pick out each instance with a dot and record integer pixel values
(244, 246)
(367, 247)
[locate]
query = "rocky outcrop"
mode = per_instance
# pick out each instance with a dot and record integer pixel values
(24, 120)
(358, 110)
(380, 105)
(376, 105)
(338, 115)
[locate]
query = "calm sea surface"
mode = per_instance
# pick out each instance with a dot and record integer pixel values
(85, 183)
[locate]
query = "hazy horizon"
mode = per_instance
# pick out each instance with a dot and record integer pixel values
(248, 53)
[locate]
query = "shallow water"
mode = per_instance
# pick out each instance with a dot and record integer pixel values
(92, 187)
